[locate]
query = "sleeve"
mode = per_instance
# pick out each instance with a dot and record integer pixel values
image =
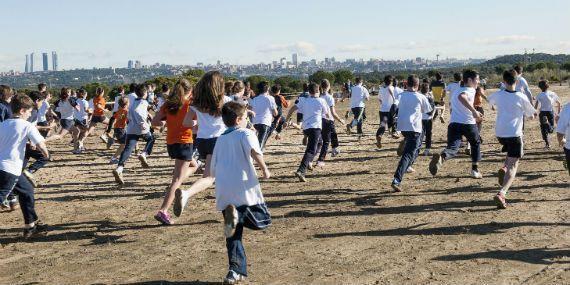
(366, 94)
(213, 163)
(249, 142)
(272, 103)
(491, 99)
(34, 135)
(325, 106)
(564, 121)
(331, 101)
(426, 106)
(527, 107)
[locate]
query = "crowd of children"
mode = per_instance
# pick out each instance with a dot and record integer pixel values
(222, 127)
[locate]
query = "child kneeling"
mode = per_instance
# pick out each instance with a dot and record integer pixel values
(238, 193)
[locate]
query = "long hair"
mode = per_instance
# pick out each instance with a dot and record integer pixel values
(175, 101)
(209, 93)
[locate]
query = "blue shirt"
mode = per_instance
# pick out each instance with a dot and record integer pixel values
(5, 111)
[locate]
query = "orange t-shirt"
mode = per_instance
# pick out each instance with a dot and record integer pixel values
(478, 102)
(176, 132)
(99, 101)
(120, 118)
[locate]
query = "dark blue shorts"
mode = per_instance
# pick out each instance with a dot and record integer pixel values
(512, 146)
(80, 123)
(66, 124)
(120, 135)
(98, 119)
(205, 146)
(182, 151)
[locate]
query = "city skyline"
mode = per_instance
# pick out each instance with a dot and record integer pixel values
(253, 31)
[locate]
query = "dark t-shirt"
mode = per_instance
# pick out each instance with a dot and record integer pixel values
(5, 111)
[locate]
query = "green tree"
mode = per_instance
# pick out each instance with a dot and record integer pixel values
(318, 76)
(194, 73)
(499, 69)
(566, 66)
(254, 80)
(91, 87)
(342, 76)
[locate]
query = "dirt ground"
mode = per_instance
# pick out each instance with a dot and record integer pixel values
(344, 226)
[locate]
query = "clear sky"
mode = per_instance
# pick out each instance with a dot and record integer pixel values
(103, 33)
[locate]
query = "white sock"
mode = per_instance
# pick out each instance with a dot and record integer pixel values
(143, 154)
(503, 192)
(119, 169)
(30, 225)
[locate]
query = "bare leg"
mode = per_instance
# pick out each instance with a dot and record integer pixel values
(512, 164)
(55, 137)
(182, 169)
(202, 183)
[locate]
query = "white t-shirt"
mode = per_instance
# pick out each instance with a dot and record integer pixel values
(66, 110)
(387, 98)
(14, 134)
(547, 100)
(314, 110)
(511, 109)
(263, 106)
(232, 165)
(522, 86)
(82, 113)
(397, 93)
(459, 113)
(208, 125)
(132, 97)
(42, 111)
(329, 100)
(116, 103)
(452, 87)
(564, 124)
(137, 117)
(410, 112)
(359, 94)
(227, 99)
(240, 99)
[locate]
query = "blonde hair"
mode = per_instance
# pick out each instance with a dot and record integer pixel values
(175, 101)
(209, 93)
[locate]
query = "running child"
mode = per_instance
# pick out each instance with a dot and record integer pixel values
(120, 118)
(412, 107)
(65, 107)
(121, 94)
(14, 135)
(438, 89)
(80, 117)
(278, 121)
(387, 99)
(478, 104)
(31, 150)
(563, 133)
(328, 132)
(205, 112)
(265, 109)
(512, 106)
(427, 119)
(6, 95)
(179, 143)
(546, 99)
(313, 109)
(138, 128)
(463, 122)
(99, 103)
(359, 94)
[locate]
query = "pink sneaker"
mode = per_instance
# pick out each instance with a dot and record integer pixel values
(163, 218)
(501, 201)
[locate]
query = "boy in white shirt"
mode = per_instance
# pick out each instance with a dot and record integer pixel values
(138, 127)
(313, 109)
(238, 192)
(328, 129)
(14, 135)
(410, 113)
(80, 117)
(264, 107)
(547, 99)
(463, 123)
(387, 100)
(563, 133)
(512, 106)
(522, 85)
(358, 94)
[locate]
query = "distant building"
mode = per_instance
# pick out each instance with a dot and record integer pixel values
(54, 64)
(27, 68)
(130, 65)
(31, 62)
(138, 64)
(45, 61)
(295, 59)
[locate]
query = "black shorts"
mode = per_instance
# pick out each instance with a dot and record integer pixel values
(80, 123)
(120, 135)
(480, 110)
(98, 119)
(182, 151)
(299, 118)
(44, 133)
(66, 124)
(512, 146)
(205, 146)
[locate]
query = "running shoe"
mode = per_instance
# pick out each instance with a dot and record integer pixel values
(38, 229)
(335, 152)
(435, 164)
(230, 221)
(233, 278)
(143, 161)
(301, 176)
(501, 201)
(118, 177)
(163, 218)
(476, 174)
(180, 200)
(320, 164)
(379, 142)
(30, 177)
(104, 138)
(396, 187)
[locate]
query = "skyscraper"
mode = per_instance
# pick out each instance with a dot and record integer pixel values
(295, 59)
(27, 69)
(54, 61)
(45, 61)
(130, 64)
(32, 62)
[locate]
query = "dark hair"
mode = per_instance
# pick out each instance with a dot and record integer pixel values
(325, 85)
(208, 94)
(438, 76)
(543, 85)
(469, 74)
(231, 111)
(121, 89)
(518, 68)
(413, 80)
(358, 80)
(141, 90)
(63, 94)
(510, 76)
(275, 89)
(262, 87)
(132, 87)
(313, 88)
(123, 101)
(99, 91)
(5, 90)
(37, 96)
(165, 88)
(41, 86)
(81, 92)
(305, 87)
(457, 77)
(21, 102)
(424, 88)
(388, 79)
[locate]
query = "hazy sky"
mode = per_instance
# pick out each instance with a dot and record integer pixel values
(103, 33)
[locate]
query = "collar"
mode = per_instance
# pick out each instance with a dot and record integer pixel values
(229, 130)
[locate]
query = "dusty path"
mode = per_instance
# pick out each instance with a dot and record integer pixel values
(343, 226)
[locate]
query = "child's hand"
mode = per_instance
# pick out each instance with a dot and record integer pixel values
(562, 142)
(266, 174)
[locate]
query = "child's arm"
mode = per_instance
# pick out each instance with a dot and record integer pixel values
(561, 140)
(291, 111)
(158, 118)
(336, 116)
(189, 121)
(261, 163)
